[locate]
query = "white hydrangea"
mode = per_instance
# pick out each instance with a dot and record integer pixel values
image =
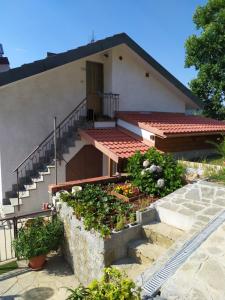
(159, 169)
(76, 189)
(143, 172)
(200, 171)
(58, 194)
(190, 171)
(153, 168)
(146, 163)
(160, 183)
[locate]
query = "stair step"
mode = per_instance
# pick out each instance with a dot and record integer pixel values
(45, 162)
(24, 194)
(29, 187)
(130, 267)
(14, 201)
(8, 209)
(162, 234)
(144, 251)
(38, 179)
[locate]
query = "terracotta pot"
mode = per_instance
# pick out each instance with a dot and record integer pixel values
(37, 262)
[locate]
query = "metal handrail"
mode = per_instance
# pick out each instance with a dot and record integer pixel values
(50, 134)
(27, 165)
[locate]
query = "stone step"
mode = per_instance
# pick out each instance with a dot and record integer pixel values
(7, 210)
(14, 201)
(144, 251)
(130, 267)
(30, 186)
(161, 234)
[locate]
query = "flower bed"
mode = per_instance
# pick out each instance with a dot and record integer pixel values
(99, 210)
(126, 192)
(107, 208)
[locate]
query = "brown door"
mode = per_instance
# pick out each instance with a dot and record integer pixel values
(94, 86)
(86, 163)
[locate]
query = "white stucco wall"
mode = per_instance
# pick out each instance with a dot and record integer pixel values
(29, 105)
(138, 92)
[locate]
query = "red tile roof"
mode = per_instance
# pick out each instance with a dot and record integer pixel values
(114, 142)
(164, 124)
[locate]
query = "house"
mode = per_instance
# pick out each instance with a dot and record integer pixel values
(110, 97)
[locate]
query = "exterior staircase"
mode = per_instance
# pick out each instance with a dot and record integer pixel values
(37, 171)
(142, 253)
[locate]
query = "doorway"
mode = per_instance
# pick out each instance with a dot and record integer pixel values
(94, 88)
(86, 163)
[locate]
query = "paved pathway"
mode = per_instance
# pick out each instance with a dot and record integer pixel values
(194, 205)
(49, 283)
(202, 276)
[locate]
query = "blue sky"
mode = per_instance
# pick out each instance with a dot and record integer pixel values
(30, 28)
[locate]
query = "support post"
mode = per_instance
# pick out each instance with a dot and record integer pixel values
(55, 151)
(18, 189)
(15, 228)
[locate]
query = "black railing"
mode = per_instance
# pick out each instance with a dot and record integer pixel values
(44, 152)
(110, 104)
(9, 228)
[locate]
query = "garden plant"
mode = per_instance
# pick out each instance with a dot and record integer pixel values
(155, 173)
(98, 209)
(114, 285)
(37, 238)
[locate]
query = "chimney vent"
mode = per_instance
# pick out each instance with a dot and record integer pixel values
(1, 50)
(4, 62)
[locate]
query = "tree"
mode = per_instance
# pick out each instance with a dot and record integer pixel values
(206, 53)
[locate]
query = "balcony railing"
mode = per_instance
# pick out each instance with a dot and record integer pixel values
(110, 103)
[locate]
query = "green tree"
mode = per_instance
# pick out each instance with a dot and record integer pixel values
(206, 53)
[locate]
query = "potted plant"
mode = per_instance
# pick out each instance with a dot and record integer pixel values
(36, 239)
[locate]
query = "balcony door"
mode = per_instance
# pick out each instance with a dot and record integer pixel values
(94, 87)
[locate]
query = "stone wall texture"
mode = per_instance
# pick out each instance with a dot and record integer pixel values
(87, 252)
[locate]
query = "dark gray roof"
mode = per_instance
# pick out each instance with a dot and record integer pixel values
(60, 59)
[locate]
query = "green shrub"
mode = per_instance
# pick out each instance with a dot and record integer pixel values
(113, 285)
(98, 209)
(39, 236)
(155, 173)
(218, 176)
(220, 147)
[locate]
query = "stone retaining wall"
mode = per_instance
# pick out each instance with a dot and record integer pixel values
(87, 252)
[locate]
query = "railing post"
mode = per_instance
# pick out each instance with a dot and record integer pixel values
(60, 146)
(55, 150)
(18, 189)
(15, 228)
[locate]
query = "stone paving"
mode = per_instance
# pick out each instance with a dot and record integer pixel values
(202, 276)
(193, 206)
(49, 283)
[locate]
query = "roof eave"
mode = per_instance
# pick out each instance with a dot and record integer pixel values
(90, 49)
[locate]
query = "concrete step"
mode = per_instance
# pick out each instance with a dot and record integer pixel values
(161, 234)
(38, 179)
(14, 201)
(144, 251)
(130, 267)
(29, 187)
(7, 210)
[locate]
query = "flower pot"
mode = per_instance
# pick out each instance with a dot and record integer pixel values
(37, 262)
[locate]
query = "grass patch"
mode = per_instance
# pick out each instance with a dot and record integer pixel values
(211, 159)
(8, 267)
(218, 176)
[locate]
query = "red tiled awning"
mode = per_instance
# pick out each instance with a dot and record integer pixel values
(113, 142)
(170, 124)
